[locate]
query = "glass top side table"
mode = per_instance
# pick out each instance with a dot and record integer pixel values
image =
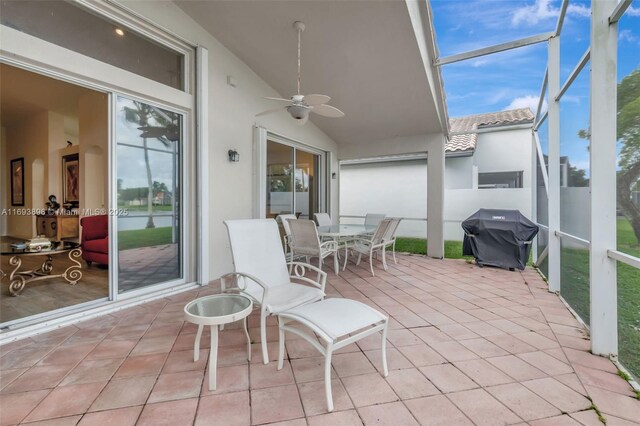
(214, 311)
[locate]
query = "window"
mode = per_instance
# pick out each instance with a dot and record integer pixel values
(78, 29)
(292, 181)
(500, 180)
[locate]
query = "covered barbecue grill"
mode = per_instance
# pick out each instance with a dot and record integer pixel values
(499, 238)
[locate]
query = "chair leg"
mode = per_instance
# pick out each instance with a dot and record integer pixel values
(246, 333)
(263, 338)
(223, 288)
(196, 345)
(384, 258)
(394, 252)
(346, 256)
(384, 349)
(359, 259)
(280, 343)
(371, 262)
(327, 377)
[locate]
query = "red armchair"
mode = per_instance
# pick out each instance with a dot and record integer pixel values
(95, 239)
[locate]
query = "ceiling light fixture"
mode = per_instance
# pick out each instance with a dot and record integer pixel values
(120, 32)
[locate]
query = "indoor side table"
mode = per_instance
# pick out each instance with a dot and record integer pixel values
(214, 311)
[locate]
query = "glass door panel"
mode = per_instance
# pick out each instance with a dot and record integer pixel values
(279, 179)
(149, 141)
(306, 184)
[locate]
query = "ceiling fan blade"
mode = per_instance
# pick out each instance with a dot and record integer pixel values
(312, 100)
(270, 111)
(327, 111)
(276, 99)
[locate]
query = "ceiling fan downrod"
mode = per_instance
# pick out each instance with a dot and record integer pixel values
(299, 27)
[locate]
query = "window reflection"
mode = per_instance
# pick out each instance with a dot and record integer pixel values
(149, 235)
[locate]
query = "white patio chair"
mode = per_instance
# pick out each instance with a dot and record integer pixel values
(261, 272)
(390, 237)
(373, 245)
(284, 220)
(322, 219)
(373, 219)
(305, 242)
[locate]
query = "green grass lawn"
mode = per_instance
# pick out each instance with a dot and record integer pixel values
(452, 249)
(575, 290)
(575, 286)
(144, 238)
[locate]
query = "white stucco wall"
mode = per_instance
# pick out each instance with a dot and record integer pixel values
(458, 172)
(394, 188)
(505, 151)
(430, 144)
(231, 120)
(398, 188)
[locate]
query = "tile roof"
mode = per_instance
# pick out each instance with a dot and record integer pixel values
(467, 142)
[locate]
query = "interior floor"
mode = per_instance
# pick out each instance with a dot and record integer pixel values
(48, 295)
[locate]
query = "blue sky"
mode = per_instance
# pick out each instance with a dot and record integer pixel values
(512, 79)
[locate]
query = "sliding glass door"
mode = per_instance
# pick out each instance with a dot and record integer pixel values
(149, 150)
(293, 184)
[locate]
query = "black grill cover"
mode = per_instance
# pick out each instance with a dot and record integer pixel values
(498, 238)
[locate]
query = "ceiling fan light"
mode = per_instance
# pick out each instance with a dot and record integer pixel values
(298, 112)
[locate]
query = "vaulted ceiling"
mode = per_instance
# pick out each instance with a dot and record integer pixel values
(363, 54)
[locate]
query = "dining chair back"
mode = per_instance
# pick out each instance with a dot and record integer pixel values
(373, 219)
(323, 219)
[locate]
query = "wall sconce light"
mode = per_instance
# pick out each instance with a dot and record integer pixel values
(234, 157)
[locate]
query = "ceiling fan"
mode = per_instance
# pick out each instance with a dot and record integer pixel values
(301, 105)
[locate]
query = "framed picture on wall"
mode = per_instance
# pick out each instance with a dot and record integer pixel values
(71, 179)
(17, 182)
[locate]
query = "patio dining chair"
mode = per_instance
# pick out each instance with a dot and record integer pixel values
(373, 219)
(263, 274)
(390, 237)
(322, 219)
(306, 242)
(284, 219)
(373, 245)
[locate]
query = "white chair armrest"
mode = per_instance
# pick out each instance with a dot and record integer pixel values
(298, 270)
(256, 280)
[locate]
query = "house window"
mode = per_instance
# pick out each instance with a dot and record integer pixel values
(78, 29)
(500, 180)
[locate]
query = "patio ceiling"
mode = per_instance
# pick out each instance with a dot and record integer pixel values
(362, 54)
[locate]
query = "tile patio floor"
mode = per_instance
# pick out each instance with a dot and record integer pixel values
(467, 346)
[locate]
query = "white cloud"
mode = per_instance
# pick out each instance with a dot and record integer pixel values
(627, 35)
(543, 10)
(528, 101)
(633, 11)
(479, 62)
(578, 10)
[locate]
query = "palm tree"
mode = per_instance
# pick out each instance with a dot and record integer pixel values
(164, 129)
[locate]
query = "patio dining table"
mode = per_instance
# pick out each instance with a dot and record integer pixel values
(347, 230)
(343, 233)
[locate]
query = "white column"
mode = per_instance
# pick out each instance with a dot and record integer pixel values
(435, 198)
(554, 164)
(534, 193)
(603, 288)
(203, 161)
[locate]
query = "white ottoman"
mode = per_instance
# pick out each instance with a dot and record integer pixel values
(333, 321)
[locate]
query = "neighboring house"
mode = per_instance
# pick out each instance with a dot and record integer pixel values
(491, 167)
